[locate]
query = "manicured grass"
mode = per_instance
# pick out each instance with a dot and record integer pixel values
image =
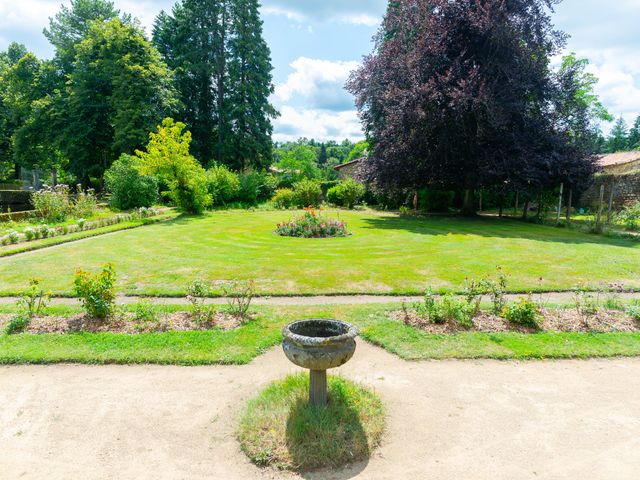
(385, 254)
(244, 344)
(413, 344)
(280, 429)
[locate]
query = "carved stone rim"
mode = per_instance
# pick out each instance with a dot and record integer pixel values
(303, 340)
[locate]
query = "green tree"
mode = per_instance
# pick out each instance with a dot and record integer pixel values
(634, 135)
(167, 157)
(29, 97)
(8, 59)
(223, 75)
(297, 163)
(358, 151)
(118, 91)
(70, 25)
(618, 140)
(251, 85)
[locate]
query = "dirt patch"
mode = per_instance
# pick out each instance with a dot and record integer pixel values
(553, 320)
(175, 322)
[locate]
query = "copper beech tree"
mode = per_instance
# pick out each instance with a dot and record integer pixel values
(461, 94)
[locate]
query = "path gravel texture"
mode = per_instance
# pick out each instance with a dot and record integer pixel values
(552, 297)
(446, 420)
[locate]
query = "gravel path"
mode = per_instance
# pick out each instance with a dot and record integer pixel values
(446, 420)
(553, 297)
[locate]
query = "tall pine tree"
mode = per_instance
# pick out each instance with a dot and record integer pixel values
(223, 74)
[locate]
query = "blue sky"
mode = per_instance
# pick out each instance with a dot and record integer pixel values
(316, 43)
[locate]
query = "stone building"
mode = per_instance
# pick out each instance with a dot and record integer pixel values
(620, 172)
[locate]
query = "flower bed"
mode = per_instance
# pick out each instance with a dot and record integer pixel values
(550, 320)
(312, 224)
(44, 231)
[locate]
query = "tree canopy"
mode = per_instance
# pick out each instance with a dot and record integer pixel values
(461, 93)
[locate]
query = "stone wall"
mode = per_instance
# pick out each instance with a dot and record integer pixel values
(626, 190)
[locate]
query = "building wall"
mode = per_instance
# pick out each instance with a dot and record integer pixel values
(626, 190)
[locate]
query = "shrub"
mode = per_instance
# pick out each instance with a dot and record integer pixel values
(630, 217)
(448, 308)
(128, 188)
(167, 157)
(524, 312)
(308, 193)
(197, 294)
(251, 188)
(435, 200)
(97, 292)
(223, 185)
(634, 312)
(239, 296)
(81, 223)
(33, 300)
(86, 203)
(13, 236)
(586, 303)
(312, 225)
(52, 204)
(347, 193)
(17, 324)
(285, 198)
(29, 234)
(144, 313)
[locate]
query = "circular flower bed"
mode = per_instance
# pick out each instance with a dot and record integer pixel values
(280, 429)
(312, 225)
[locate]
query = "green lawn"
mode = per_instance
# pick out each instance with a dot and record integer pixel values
(385, 254)
(244, 344)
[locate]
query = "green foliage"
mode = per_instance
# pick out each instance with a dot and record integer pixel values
(223, 185)
(630, 217)
(586, 303)
(618, 140)
(128, 188)
(223, 73)
(436, 200)
(297, 163)
(347, 193)
(308, 193)
(496, 289)
(52, 204)
(239, 296)
(445, 309)
(358, 151)
(197, 294)
(17, 324)
(33, 301)
(97, 292)
(634, 312)
(524, 312)
(167, 157)
(144, 313)
(117, 91)
(285, 198)
(85, 204)
(312, 225)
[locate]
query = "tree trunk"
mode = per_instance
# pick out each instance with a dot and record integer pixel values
(569, 205)
(18, 171)
(525, 212)
(469, 208)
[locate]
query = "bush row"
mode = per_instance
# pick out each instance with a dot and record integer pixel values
(308, 193)
(44, 231)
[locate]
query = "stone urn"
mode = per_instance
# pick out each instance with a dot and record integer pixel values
(319, 345)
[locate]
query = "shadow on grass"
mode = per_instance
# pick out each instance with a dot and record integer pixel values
(331, 439)
(490, 227)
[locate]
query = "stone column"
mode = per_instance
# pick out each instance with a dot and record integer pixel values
(318, 387)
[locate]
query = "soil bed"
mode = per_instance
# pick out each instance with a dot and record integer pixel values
(174, 322)
(553, 320)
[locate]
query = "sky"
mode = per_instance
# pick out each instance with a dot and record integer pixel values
(315, 44)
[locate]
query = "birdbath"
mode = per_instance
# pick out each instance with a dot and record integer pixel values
(319, 345)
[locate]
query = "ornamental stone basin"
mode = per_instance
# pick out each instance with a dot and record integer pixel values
(318, 345)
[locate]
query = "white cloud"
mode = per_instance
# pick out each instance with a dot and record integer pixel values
(356, 12)
(320, 83)
(322, 125)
